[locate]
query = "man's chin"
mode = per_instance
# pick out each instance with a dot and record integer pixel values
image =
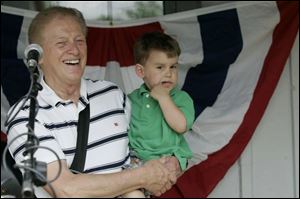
(73, 80)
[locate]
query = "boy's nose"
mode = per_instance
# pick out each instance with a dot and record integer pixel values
(168, 73)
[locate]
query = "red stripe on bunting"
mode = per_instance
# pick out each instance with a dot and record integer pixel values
(3, 137)
(201, 179)
(115, 44)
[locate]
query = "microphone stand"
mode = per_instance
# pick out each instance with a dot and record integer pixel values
(29, 161)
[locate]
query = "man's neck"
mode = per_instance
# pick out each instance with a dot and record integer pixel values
(69, 93)
(66, 91)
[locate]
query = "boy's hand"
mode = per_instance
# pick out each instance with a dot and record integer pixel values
(159, 91)
(172, 114)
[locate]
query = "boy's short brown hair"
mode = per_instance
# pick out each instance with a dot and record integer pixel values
(155, 41)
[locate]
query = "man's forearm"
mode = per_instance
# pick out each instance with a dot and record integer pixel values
(152, 175)
(93, 185)
(104, 185)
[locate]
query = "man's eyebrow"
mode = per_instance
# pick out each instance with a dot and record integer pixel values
(60, 37)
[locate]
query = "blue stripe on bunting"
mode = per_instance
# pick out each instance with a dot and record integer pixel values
(15, 79)
(222, 43)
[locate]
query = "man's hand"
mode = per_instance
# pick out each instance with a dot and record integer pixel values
(159, 178)
(172, 164)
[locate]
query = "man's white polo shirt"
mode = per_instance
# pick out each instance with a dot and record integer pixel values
(56, 127)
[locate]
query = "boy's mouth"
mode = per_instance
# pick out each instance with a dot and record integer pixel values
(167, 83)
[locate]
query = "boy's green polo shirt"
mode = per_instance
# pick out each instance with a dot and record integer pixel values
(150, 136)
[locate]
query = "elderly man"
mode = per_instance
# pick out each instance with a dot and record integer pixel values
(61, 32)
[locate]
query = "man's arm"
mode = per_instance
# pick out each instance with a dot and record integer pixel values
(153, 176)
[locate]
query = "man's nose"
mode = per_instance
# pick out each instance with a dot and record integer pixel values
(74, 49)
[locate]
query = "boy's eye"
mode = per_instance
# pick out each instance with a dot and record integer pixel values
(159, 67)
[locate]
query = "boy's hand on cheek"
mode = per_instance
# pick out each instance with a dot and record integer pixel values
(158, 92)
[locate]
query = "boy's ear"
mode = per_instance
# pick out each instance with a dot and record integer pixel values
(139, 70)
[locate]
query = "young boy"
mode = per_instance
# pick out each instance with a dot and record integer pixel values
(161, 112)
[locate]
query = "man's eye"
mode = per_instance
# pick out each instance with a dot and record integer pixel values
(80, 40)
(61, 43)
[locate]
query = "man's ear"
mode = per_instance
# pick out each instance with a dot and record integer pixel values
(139, 70)
(41, 60)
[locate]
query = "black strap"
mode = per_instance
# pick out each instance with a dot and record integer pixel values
(82, 138)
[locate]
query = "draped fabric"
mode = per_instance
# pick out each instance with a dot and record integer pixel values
(232, 58)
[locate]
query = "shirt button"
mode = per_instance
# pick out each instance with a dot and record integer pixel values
(147, 95)
(148, 106)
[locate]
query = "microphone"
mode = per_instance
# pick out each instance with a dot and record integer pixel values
(10, 186)
(33, 53)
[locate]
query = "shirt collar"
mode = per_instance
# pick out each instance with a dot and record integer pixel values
(53, 99)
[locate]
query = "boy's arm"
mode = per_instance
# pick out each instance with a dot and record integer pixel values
(172, 114)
